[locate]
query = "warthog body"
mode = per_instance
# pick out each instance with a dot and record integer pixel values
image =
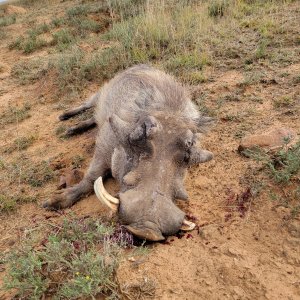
(148, 129)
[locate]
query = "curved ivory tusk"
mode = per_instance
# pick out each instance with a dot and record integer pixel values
(104, 196)
(187, 225)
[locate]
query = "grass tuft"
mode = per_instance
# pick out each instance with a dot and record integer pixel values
(29, 71)
(217, 8)
(21, 143)
(9, 203)
(76, 259)
(7, 20)
(15, 114)
(283, 167)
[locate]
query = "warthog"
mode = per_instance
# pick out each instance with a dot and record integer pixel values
(147, 133)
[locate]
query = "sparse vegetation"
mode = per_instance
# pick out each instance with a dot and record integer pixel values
(284, 101)
(21, 143)
(7, 20)
(63, 38)
(24, 171)
(75, 259)
(217, 8)
(15, 114)
(37, 175)
(283, 167)
(9, 203)
(29, 71)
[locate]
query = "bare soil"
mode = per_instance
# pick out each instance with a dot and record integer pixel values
(232, 254)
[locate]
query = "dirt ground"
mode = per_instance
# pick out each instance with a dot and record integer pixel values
(231, 255)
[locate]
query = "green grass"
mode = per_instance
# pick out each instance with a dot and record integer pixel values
(37, 175)
(29, 71)
(7, 20)
(283, 168)
(284, 101)
(81, 10)
(15, 114)
(39, 29)
(126, 8)
(217, 8)
(183, 37)
(28, 44)
(25, 171)
(63, 39)
(9, 203)
(21, 143)
(76, 259)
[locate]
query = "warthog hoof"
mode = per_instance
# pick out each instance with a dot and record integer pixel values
(61, 199)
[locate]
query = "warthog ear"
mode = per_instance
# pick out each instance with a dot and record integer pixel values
(145, 129)
(198, 156)
(119, 127)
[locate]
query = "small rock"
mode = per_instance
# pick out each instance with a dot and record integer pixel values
(70, 178)
(12, 9)
(132, 259)
(273, 139)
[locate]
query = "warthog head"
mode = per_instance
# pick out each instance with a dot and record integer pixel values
(150, 164)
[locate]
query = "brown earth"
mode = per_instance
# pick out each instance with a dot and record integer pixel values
(232, 254)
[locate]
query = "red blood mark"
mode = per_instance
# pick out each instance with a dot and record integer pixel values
(237, 202)
(189, 236)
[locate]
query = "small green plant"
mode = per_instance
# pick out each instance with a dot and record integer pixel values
(9, 203)
(57, 22)
(33, 44)
(126, 8)
(285, 165)
(284, 101)
(30, 70)
(81, 10)
(296, 79)
(3, 34)
(60, 130)
(38, 174)
(76, 259)
(42, 28)
(24, 170)
(63, 38)
(84, 25)
(21, 143)
(283, 168)
(261, 50)
(8, 20)
(15, 114)
(217, 8)
(28, 44)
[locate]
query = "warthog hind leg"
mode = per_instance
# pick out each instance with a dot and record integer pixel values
(90, 103)
(81, 127)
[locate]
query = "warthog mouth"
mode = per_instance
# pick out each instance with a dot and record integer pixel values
(113, 204)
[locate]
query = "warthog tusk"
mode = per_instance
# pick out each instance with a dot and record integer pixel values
(104, 196)
(187, 225)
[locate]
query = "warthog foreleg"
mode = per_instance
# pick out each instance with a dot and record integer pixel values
(67, 197)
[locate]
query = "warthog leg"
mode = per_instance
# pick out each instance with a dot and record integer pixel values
(81, 127)
(90, 103)
(67, 197)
